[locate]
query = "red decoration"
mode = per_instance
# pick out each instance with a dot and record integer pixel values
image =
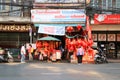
(90, 42)
(85, 32)
(69, 29)
(79, 42)
(84, 44)
(79, 26)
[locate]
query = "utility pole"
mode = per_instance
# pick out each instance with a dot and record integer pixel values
(30, 34)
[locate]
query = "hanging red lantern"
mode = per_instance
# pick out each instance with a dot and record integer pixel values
(90, 42)
(84, 32)
(69, 29)
(79, 42)
(84, 44)
(79, 26)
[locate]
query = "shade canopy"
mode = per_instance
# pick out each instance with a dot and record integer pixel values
(48, 38)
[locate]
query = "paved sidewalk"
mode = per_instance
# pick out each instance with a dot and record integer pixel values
(65, 61)
(114, 60)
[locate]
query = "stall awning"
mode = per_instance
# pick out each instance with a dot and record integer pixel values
(63, 25)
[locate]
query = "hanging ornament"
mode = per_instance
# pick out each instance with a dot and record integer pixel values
(79, 27)
(90, 42)
(85, 32)
(69, 29)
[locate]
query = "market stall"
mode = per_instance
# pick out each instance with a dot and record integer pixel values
(48, 48)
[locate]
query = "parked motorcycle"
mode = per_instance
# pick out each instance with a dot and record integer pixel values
(6, 56)
(100, 57)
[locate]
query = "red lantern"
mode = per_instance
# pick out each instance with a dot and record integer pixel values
(84, 44)
(69, 29)
(85, 32)
(79, 26)
(79, 42)
(90, 42)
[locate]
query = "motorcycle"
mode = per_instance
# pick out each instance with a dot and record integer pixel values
(100, 57)
(6, 56)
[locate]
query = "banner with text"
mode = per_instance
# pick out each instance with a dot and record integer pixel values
(58, 15)
(52, 30)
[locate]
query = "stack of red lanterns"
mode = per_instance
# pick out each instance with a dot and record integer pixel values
(79, 27)
(69, 29)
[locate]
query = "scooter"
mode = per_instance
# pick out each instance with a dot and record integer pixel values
(6, 57)
(100, 57)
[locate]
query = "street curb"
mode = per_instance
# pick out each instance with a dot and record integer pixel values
(114, 61)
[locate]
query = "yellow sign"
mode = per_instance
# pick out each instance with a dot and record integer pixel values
(19, 28)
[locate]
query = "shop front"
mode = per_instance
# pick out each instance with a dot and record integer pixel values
(13, 35)
(54, 22)
(106, 33)
(109, 42)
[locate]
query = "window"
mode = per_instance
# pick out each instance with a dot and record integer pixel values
(117, 3)
(107, 4)
(14, 10)
(114, 3)
(104, 4)
(2, 7)
(13, 7)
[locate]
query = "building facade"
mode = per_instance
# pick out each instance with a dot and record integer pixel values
(14, 23)
(57, 14)
(105, 24)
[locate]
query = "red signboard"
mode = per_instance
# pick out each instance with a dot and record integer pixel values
(107, 19)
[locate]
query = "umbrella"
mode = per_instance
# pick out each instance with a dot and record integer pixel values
(48, 38)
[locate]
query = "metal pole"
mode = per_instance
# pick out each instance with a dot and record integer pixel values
(30, 34)
(18, 44)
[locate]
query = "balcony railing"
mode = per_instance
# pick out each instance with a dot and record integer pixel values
(17, 9)
(16, 13)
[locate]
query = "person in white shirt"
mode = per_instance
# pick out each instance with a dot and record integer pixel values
(23, 52)
(80, 53)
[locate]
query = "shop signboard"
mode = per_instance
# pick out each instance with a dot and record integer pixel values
(58, 15)
(14, 28)
(59, 1)
(107, 19)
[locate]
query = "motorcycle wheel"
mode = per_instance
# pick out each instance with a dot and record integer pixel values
(97, 61)
(10, 60)
(106, 61)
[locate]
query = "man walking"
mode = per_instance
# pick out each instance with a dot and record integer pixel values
(23, 52)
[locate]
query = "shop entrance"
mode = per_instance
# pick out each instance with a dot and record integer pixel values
(103, 46)
(118, 50)
(109, 48)
(112, 50)
(13, 39)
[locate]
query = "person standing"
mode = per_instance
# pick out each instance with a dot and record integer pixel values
(23, 53)
(80, 53)
(30, 52)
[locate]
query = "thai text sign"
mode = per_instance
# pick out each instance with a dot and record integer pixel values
(19, 28)
(107, 19)
(52, 30)
(58, 15)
